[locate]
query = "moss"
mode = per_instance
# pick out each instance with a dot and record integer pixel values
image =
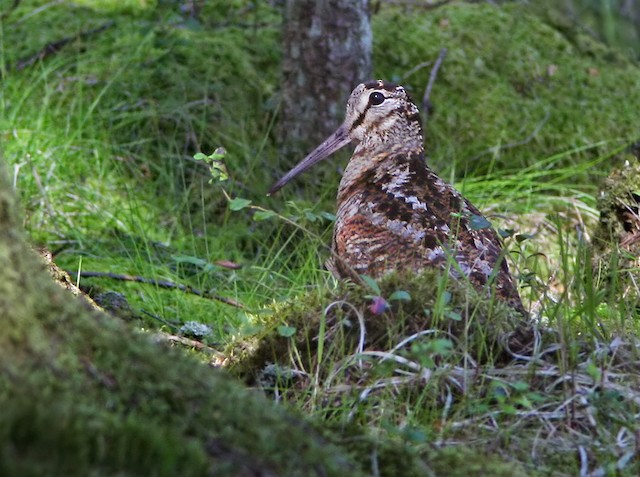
(508, 74)
(337, 318)
(83, 394)
(460, 461)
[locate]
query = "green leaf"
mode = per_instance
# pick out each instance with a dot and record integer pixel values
(594, 372)
(286, 331)
(199, 156)
(199, 262)
(453, 315)
(329, 216)
(399, 295)
(218, 171)
(441, 346)
(239, 203)
(446, 297)
(371, 283)
(478, 222)
(522, 237)
(414, 434)
(263, 215)
(520, 386)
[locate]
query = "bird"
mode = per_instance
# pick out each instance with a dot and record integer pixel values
(394, 213)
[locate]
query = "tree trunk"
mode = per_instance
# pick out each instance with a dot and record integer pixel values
(326, 53)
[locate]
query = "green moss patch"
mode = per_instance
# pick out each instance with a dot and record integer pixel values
(324, 327)
(512, 89)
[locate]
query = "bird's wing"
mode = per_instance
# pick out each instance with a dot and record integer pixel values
(425, 212)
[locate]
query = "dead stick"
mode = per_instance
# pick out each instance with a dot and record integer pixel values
(418, 3)
(522, 142)
(159, 283)
(55, 46)
(199, 345)
(426, 103)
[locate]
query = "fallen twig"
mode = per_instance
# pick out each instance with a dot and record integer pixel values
(417, 3)
(191, 343)
(159, 283)
(522, 142)
(55, 46)
(426, 103)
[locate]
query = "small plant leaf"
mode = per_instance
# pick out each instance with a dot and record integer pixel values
(441, 346)
(215, 161)
(199, 262)
(594, 372)
(371, 283)
(506, 233)
(400, 295)
(446, 297)
(239, 203)
(414, 434)
(453, 315)
(286, 331)
(520, 386)
(263, 215)
(522, 237)
(478, 222)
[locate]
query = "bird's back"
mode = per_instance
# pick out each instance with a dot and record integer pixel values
(396, 214)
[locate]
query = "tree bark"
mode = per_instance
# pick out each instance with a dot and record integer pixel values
(326, 53)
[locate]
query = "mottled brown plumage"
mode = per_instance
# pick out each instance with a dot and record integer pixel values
(394, 212)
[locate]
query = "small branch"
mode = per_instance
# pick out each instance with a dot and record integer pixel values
(426, 102)
(159, 283)
(417, 3)
(200, 346)
(511, 145)
(55, 46)
(415, 69)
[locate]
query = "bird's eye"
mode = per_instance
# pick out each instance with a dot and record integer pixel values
(376, 98)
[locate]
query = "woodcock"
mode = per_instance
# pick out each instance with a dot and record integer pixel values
(394, 212)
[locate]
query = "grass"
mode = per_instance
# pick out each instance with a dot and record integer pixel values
(101, 138)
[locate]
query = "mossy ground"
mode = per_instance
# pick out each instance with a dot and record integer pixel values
(325, 326)
(99, 138)
(512, 89)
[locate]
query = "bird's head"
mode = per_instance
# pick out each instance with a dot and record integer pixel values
(377, 112)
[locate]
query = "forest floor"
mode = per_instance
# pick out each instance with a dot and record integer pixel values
(106, 105)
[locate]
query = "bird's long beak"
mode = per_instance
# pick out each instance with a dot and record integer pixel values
(337, 140)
